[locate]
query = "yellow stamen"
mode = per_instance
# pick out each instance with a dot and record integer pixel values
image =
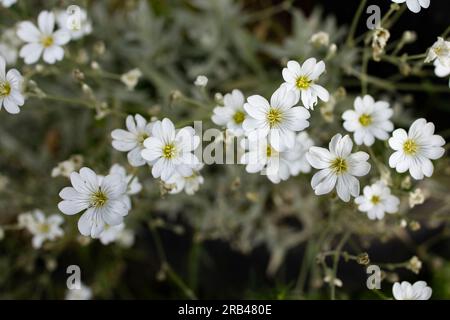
(339, 165)
(169, 151)
(141, 137)
(239, 117)
(365, 120)
(410, 147)
(274, 117)
(47, 41)
(98, 199)
(375, 199)
(5, 89)
(44, 227)
(303, 82)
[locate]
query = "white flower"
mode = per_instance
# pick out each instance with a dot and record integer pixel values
(440, 51)
(65, 168)
(132, 139)
(302, 78)
(201, 81)
(406, 291)
(7, 3)
(9, 44)
(415, 149)
(416, 197)
(320, 39)
(77, 25)
(296, 157)
(279, 119)
(376, 200)
(369, 120)
(232, 114)
(104, 200)
(41, 227)
(10, 89)
(263, 157)
(338, 165)
(131, 78)
(134, 186)
(43, 40)
(83, 293)
(414, 5)
(171, 150)
(118, 234)
(441, 70)
(191, 184)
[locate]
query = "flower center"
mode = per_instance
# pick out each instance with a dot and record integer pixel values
(47, 41)
(274, 117)
(375, 200)
(410, 147)
(141, 137)
(239, 117)
(339, 165)
(169, 151)
(5, 89)
(98, 199)
(365, 119)
(303, 82)
(44, 228)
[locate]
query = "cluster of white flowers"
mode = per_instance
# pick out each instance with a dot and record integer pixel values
(41, 227)
(43, 40)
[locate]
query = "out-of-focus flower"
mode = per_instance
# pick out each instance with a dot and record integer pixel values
(301, 79)
(379, 40)
(335, 281)
(65, 168)
(191, 184)
(441, 70)
(134, 186)
(406, 291)
(132, 139)
(83, 293)
(320, 39)
(232, 114)
(118, 234)
(7, 3)
(413, 150)
(131, 78)
(261, 156)
(338, 166)
(3, 182)
(296, 156)
(369, 120)
(278, 119)
(9, 46)
(104, 200)
(376, 200)
(11, 96)
(414, 264)
(440, 51)
(170, 150)
(201, 81)
(415, 5)
(416, 197)
(42, 40)
(41, 227)
(77, 25)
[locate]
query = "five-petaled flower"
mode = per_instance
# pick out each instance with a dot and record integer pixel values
(338, 166)
(415, 148)
(377, 200)
(10, 89)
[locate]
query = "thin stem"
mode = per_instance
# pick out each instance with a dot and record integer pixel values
(335, 264)
(350, 38)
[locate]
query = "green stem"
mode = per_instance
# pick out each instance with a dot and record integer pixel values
(350, 38)
(336, 263)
